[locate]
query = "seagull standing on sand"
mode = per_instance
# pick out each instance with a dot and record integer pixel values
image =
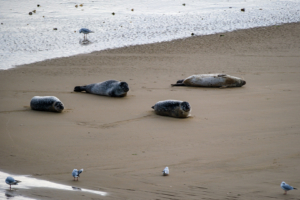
(11, 181)
(85, 31)
(76, 173)
(286, 187)
(166, 171)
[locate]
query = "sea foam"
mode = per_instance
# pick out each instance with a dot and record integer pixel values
(28, 38)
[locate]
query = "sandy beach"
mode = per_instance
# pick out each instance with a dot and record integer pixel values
(239, 143)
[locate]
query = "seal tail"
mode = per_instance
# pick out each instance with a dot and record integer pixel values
(179, 83)
(79, 89)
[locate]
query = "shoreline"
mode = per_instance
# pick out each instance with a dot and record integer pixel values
(166, 41)
(239, 142)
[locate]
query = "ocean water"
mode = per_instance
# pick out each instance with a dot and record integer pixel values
(28, 182)
(28, 38)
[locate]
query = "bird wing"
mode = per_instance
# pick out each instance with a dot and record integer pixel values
(9, 180)
(75, 173)
(287, 187)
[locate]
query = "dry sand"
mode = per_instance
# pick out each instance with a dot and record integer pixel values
(240, 143)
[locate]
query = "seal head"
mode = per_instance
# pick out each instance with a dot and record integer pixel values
(242, 82)
(173, 108)
(185, 106)
(59, 106)
(124, 86)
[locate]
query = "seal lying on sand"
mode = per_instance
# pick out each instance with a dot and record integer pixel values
(110, 88)
(46, 103)
(173, 108)
(211, 80)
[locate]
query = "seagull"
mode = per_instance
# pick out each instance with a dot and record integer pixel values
(286, 187)
(85, 31)
(76, 173)
(166, 171)
(11, 181)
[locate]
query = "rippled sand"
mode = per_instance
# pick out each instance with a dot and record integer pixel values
(239, 143)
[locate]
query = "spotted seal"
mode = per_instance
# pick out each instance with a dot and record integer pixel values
(46, 103)
(211, 80)
(110, 88)
(173, 108)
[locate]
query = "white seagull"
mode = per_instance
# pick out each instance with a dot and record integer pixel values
(166, 171)
(11, 181)
(286, 187)
(85, 31)
(76, 173)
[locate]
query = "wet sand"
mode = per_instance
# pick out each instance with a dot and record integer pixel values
(240, 143)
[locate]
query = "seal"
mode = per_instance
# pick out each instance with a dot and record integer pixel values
(46, 103)
(173, 108)
(111, 88)
(211, 80)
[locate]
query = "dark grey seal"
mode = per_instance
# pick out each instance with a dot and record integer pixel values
(46, 103)
(173, 108)
(111, 88)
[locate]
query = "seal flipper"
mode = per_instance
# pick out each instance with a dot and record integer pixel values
(179, 83)
(223, 87)
(79, 88)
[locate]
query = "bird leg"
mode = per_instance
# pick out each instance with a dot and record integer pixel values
(285, 192)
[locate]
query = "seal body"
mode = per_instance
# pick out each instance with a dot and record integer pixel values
(46, 103)
(173, 108)
(110, 88)
(211, 80)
